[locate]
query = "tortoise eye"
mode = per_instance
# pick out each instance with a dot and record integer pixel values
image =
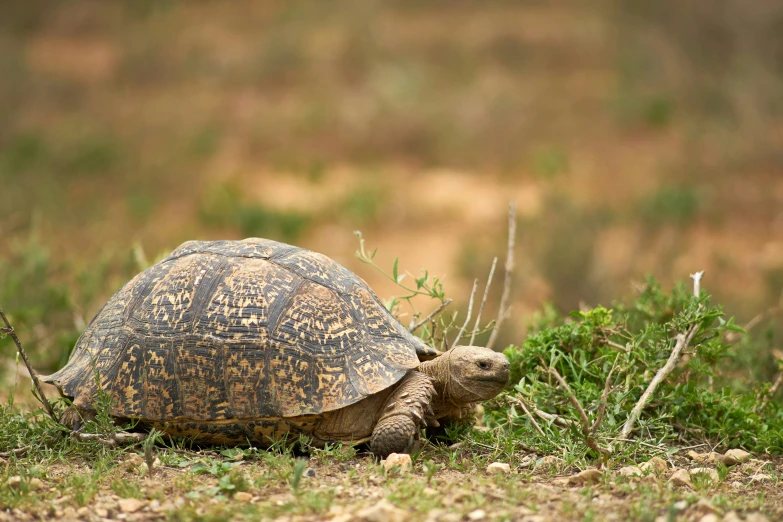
(484, 365)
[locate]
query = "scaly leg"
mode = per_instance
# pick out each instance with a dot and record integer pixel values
(406, 410)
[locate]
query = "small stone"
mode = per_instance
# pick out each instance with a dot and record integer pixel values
(709, 473)
(756, 517)
(760, 478)
(131, 505)
(456, 497)
(549, 461)
(588, 476)
(309, 472)
(704, 506)
(680, 505)
(709, 517)
(14, 482)
(731, 516)
(401, 461)
(735, 456)
(630, 471)
(243, 496)
(434, 515)
(705, 458)
(522, 511)
(499, 467)
(478, 514)
(527, 461)
(383, 511)
(134, 461)
(737, 485)
(101, 512)
(655, 465)
(35, 483)
(681, 477)
(83, 512)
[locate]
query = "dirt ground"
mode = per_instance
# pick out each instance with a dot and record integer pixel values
(346, 487)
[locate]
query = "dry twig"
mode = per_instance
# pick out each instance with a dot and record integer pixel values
(483, 301)
(771, 392)
(548, 417)
(521, 404)
(470, 313)
(9, 330)
(683, 340)
(735, 336)
(586, 430)
(112, 439)
(604, 396)
(503, 312)
(415, 326)
(18, 452)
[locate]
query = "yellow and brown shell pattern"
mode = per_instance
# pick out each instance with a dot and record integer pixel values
(224, 339)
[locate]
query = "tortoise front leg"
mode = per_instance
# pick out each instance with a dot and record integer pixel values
(405, 411)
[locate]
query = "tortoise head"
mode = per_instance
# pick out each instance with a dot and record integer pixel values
(469, 373)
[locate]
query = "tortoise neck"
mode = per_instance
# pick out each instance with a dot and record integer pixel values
(438, 370)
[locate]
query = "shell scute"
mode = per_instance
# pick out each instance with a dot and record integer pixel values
(170, 304)
(228, 333)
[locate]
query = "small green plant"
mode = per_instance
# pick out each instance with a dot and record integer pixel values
(214, 467)
(297, 473)
(434, 329)
(333, 452)
(583, 378)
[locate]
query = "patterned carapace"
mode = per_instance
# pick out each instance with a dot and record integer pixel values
(221, 334)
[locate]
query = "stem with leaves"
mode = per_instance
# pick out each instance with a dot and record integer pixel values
(9, 330)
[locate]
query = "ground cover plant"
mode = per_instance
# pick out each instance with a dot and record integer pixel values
(562, 427)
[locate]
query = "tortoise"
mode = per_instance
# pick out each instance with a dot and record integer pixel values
(237, 342)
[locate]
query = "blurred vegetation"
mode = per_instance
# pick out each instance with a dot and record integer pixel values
(636, 138)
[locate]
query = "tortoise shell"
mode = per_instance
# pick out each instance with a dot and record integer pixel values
(247, 329)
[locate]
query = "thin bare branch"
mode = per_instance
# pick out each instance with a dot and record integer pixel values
(9, 330)
(758, 319)
(586, 431)
(413, 327)
(521, 404)
(648, 445)
(771, 392)
(617, 345)
(112, 439)
(470, 313)
(697, 282)
(555, 419)
(683, 340)
(18, 452)
(503, 312)
(548, 417)
(604, 396)
(483, 301)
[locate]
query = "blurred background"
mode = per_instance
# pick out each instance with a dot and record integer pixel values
(635, 138)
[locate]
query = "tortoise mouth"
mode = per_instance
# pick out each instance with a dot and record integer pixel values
(502, 381)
